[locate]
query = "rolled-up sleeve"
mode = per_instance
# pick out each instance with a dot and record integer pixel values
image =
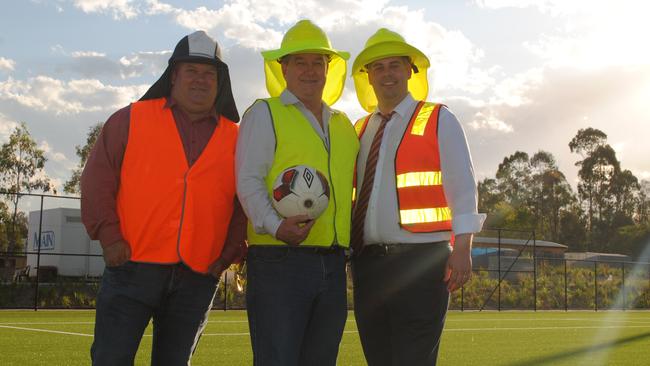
(254, 158)
(458, 179)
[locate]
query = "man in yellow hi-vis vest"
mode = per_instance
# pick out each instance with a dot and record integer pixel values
(296, 288)
(414, 187)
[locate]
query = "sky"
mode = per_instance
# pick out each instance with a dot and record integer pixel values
(519, 74)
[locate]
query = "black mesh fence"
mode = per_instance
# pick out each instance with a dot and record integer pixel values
(60, 268)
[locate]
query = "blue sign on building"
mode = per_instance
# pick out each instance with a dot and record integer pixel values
(47, 240)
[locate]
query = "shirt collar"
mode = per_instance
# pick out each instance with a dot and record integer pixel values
(288, 97)
(404, 107)
(172, 104)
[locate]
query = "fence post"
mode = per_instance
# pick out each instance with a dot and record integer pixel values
(624, 292)
(566, 298)
(38, 257)
(499, 270)
(595, 285)
(225, 291)
(462, 298)
(534, 272)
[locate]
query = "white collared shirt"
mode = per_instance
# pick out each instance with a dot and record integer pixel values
(255, 155)
(382, 222)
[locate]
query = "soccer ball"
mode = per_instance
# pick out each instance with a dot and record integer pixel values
(300, 190)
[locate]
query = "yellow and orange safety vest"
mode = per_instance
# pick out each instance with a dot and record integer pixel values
(418, 176)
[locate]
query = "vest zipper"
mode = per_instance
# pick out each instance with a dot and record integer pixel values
(329, 173)
(180, 225)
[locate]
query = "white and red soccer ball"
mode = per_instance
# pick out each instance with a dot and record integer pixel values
(300, 190)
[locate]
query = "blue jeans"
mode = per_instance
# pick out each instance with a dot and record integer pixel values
(130, 295)
(297, 305)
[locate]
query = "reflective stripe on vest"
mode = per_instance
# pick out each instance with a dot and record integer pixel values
(168, 211)
(418, 177)
(298, 144)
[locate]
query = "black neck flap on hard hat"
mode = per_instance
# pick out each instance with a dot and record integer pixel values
(224, 103)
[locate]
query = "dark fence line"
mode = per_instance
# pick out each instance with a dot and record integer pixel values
(569, 284)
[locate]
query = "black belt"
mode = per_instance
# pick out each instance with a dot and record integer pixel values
(305, 249)
(319, 250)
(380, 250)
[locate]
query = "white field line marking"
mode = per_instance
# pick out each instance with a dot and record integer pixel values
(545, 328)
(46, 331)
(245, 334)
(633, 321)
(354, 331)
(46, 323)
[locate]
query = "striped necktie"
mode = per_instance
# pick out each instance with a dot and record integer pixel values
(361, 205)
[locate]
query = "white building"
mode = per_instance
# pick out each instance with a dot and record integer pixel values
(62, 233)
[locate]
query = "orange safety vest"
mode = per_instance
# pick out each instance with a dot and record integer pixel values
(421, 198)
(169, 212)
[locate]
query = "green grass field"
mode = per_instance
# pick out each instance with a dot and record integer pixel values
(470, 338)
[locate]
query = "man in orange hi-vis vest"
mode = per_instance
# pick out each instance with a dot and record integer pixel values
(158, 192)
(414, 187)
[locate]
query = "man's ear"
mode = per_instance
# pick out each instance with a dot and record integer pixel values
(173, 75)
(283, 65)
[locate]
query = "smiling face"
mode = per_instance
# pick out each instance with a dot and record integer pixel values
(389, 78)
(305, 75)
(194, 88)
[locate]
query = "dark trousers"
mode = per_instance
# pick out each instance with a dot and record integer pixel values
(400, 302)
(130, 295)
(297, 305)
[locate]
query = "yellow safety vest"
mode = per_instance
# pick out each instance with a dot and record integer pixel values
(298, 144)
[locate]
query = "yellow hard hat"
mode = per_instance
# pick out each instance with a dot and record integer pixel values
(386, 43)
(306, 37)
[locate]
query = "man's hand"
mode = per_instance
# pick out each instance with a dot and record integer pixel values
(117, 253)
(459, 264)
(294, 230)
(217, 268)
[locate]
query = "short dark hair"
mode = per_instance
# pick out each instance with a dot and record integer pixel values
(406, 59)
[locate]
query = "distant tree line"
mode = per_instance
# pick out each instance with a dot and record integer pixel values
(608, 213)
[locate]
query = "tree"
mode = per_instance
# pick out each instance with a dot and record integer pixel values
(643, 210)
(586, 141)
(535, 194)
(22, 166)
(73, 185)
(551, 192)
(513, 178)
(626, 191)
(488, 195)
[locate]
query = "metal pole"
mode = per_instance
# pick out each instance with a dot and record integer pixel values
(534, 272)
(624, 297)
(225, 291)
(38, 257)
(462, 298)
(499, 270)
(595, 286)
(566, 298)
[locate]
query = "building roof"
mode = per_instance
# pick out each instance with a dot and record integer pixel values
(519, 242)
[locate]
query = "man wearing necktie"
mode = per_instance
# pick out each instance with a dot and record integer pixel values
(415, 192)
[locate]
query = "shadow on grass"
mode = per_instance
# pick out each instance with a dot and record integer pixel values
(551, 359)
